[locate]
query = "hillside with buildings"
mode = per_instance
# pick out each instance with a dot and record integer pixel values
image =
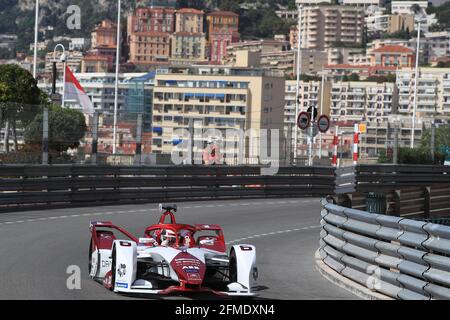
(234, 64)
(17, 16)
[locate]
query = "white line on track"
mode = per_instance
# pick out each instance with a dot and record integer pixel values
(153, 209)
(271, 234)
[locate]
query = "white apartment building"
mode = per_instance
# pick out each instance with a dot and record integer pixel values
(405, 7)
(373, 104)
(433, 92)
(325, 26)
(73, 61)
(437, 44)
(79, 44)
(287, 14)
(377, 23)
(352, 56)
(310, 94)
(312, 2)
(100, 87)
(361, 101)
(8, 41)
(364, 3)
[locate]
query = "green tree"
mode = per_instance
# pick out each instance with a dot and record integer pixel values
(20, 99)
(441, 141)
(353, 77)
(407, 156)
(66, 128)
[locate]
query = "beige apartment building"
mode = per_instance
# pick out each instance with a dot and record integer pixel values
(189, 20)
(219, 97)
(312, 61)
(327, 26)
(401, 22)
(188, 43)
(188, 48)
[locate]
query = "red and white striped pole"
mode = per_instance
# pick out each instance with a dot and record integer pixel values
(355, 144)
(335, 146)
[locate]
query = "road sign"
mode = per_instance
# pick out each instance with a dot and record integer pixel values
(312, 113)
(362, 128)
(303, 120)
(323, 123)
(56, 98)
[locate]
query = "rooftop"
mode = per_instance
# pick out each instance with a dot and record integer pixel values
(218, 70)
(223, 14)
(190, 10)
(393, 48)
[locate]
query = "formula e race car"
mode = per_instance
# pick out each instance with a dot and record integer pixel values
(171, 258)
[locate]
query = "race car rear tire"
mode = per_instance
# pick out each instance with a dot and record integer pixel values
(232, 273)
(91, 243)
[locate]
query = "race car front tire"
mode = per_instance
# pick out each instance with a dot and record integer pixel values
(233, 270)
(113, 269)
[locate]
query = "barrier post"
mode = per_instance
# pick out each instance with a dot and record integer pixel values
(355, 144)
(94, 138)
(137, 158)
(335, 146)
(45, 137)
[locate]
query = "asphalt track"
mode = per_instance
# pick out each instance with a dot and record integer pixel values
(37, 247)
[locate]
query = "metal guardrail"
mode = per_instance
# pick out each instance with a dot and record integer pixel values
(23, 186)
(401, 258)
(413, 191)
(382, 177)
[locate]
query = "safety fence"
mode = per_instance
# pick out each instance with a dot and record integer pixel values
(23, 186)
(413, 191)
(395, 256)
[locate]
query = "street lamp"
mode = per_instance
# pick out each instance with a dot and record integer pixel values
(116, 87)
(299, 60)
(416, 79)
(36, 26)
(63, 59)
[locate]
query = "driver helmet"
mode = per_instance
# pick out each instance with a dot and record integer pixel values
(168, 237)
(186, 238)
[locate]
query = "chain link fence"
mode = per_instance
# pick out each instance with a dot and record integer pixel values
(63, 136)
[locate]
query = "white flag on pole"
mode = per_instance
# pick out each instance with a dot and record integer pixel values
(74, 91)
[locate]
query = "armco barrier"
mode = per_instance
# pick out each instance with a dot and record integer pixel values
(398, 257)
(29, 187)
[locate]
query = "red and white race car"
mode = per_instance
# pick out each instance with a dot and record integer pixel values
(171, 258)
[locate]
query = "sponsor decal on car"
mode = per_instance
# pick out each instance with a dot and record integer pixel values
(121, 285)
(122, 270)
(191, 269)
(106, 264)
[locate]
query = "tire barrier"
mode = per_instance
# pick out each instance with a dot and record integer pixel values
(398, 257)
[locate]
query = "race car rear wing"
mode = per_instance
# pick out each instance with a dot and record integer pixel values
(213, 227)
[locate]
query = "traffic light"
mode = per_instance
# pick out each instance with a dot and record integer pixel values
(312, 113)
